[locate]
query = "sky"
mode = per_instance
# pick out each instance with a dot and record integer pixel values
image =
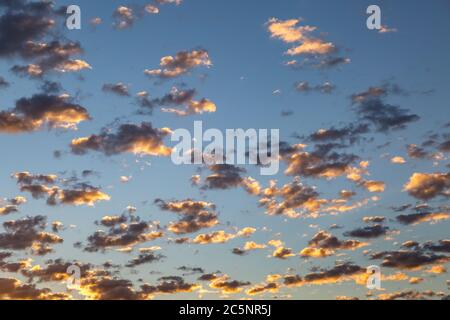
(87, 178)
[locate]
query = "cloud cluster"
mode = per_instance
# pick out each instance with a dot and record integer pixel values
(383, 116)
(324, 244)
(28, 233)
(123, 235)
(318, 52)
(368, 232)
(294, 197)
(13, 289)
(195, 215)
(12, 205)
(339, 273)
(29, 31)
(125, 16)
(44, 186)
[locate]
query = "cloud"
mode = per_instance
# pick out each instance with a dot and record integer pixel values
(437, 269)
(169, 285)
(442, 246)
(416, 152)
(54, 56)
(118, 89)
(385, 117)
(4, 211)
(12, 267)
(181, 63)
(123, 236)
(144, 258)
(228, 286)
(368, 232)
(294, 196)
(79, 194)
(426, 186)
(31, 114)
(386, 29)
(54, 270)
(398, 160)
(111, 221)
(322, 162)
(339, 273)
(99, 285)
(350, 133)
(222, 236)
(249, 246)
(282, 253)
(124, 17)
(13, 205)
(196, 215)
(374, 219)
(312, 47)
(13, 289)
(408, 295)
(324, 244)
(151, 9)
(176, 2)
(408, 259)
(287, 30)
(261, 289)
(422, 217)
(318, 52)
(140, 139)
(4, 83)
(305, 87)
(194, 107)
(224, 176)
(87, 195)
(96, 21)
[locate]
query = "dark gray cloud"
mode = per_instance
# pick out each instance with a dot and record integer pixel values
(408, 259)
(3, 83)
(441, 246)
(119, 89)
(144, 258)
(169, 285)
(368, 232)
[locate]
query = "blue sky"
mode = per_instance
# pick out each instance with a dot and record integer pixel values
(248, 66)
